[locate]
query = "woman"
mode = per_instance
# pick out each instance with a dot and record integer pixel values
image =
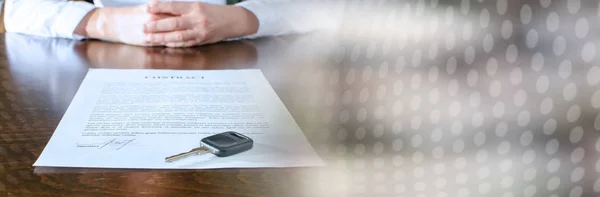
(153, 23)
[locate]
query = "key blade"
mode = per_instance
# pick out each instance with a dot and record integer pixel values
(195, 151)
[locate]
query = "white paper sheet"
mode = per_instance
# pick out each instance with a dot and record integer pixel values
(136, 118)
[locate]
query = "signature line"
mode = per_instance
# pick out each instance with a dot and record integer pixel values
(107, 143)
(125, 144)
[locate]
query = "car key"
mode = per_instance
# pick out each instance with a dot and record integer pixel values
(222, 145)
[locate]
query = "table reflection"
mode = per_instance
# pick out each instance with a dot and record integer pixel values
(51, 66)
(227, 55)
(57, 66)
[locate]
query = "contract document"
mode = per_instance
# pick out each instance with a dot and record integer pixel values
(136, 118)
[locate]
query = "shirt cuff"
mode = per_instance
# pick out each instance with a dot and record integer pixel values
(70, 17)
(268, 24)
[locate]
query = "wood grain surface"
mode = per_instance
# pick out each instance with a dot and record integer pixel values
(39, 77)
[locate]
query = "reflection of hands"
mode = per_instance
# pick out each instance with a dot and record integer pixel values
(196, 23)
(227, 55)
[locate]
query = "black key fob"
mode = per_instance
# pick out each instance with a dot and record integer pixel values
(227, 143)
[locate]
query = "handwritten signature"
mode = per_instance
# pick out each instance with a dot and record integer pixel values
(113, 143)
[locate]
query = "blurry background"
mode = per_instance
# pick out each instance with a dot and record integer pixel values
(458, 98)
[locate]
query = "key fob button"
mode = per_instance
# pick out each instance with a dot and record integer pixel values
(227, 143)
(221, 140)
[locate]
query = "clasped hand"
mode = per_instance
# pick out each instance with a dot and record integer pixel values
(175, 24)
(195, 23)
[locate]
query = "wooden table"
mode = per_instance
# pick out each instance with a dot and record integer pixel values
(39, 77)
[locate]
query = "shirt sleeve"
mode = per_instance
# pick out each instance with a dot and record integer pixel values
(281, 17)
(48, 18)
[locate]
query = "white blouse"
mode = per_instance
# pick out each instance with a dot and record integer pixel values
(59, 18)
